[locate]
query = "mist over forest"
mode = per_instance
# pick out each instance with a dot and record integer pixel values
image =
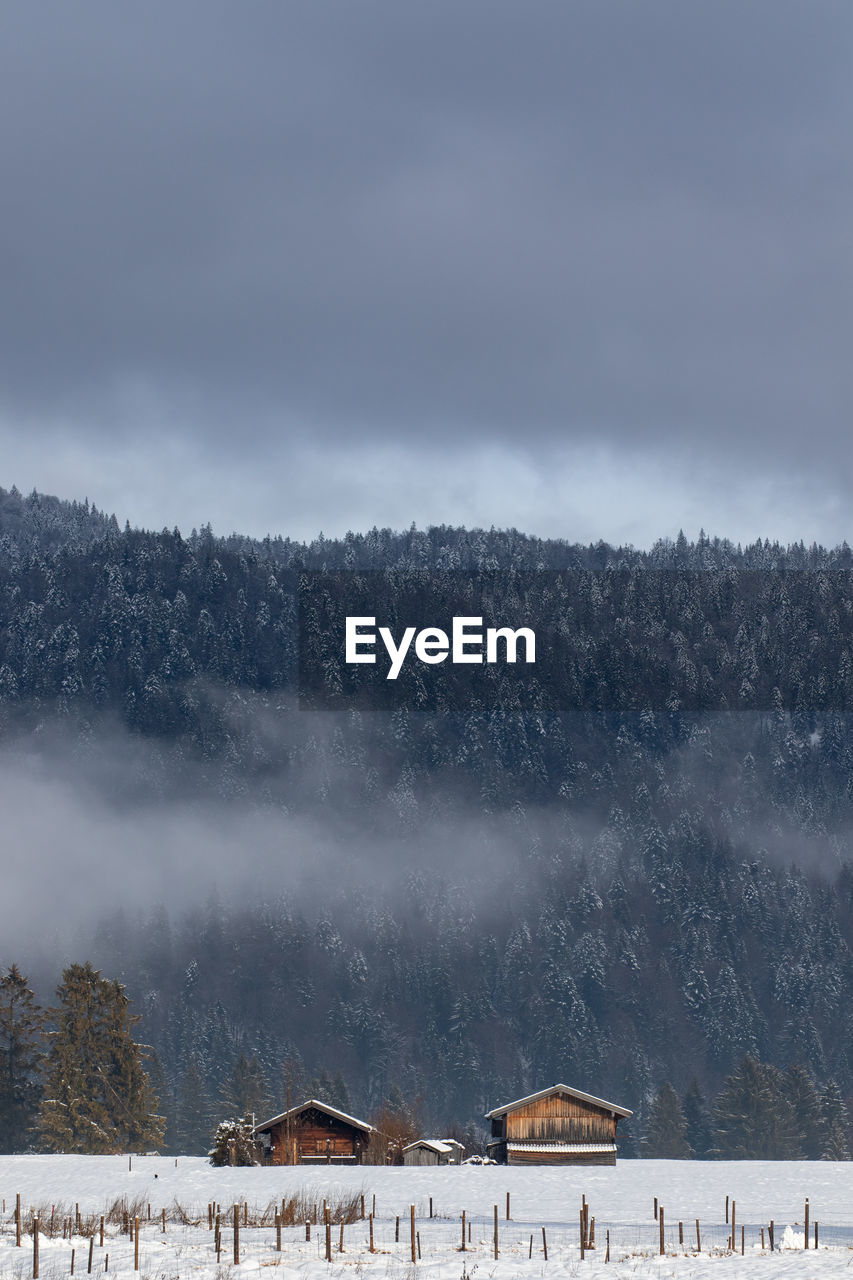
(453, 904)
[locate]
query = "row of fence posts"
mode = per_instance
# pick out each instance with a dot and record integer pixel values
(732, 1240)
(214, 1217)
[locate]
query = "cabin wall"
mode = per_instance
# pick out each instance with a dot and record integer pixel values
(561, 1119)
(315, 1143)
(421, 1156)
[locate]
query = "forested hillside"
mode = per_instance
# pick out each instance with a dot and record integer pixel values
(635, 890)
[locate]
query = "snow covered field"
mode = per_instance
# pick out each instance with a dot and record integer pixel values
(620, 1198)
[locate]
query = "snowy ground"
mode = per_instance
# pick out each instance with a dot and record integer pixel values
(620, 1198)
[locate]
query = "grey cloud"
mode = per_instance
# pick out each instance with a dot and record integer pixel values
(541, 225)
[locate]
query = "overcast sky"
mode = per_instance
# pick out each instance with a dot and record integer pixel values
(582, 267)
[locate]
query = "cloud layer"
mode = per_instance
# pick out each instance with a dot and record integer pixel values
(289, 267)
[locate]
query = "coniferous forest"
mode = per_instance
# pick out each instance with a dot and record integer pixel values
(644, 895)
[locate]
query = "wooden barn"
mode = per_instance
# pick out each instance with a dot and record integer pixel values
(433, 1151)
(555, 1126)
(314, 1133)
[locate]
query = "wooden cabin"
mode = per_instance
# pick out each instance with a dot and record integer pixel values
(433, 1151)
(313, 1133)
(555, 1126)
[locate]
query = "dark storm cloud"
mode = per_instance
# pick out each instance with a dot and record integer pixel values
(557, 222)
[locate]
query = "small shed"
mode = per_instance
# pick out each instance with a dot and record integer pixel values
(559, 1125)
(433, 1151)
(314, 1133)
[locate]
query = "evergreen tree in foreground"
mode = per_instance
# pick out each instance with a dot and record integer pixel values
(21, 1057)
(97, 1096)
(666, 1135)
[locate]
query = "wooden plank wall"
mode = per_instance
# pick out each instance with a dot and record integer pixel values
(560, 1118)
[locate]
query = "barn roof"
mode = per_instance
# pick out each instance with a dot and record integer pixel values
(559, 1088)
(320, 1106)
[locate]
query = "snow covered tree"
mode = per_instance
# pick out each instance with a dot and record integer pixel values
(233, 1145)
(21, 1057)
(97, 1096)
(666, 1132)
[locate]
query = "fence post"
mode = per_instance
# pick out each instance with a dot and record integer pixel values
(136, 1244)
(660, 1223)
(414, 1242)
(544, 1244)
(806, 1232)
(463, 1230)
(18, 1219)
(698, 1238)
(496, 1230)
(35, 1247)
(236, 1235)
(277, 1231)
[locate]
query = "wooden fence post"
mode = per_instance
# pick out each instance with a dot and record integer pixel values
(660, 1224)
(496, 1230)
(328, 1226)
(412, 1220)
(463, 1230)
(18, 1219)
(136, 1244)
(734, 1245)
(507, 1206)
(372, 1250)
(581, 1220)
(698, 1238)
(806, 1232)
(277, 1231)
(544, 1244)
(236, 1235)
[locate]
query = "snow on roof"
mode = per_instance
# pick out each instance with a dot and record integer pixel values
(321, 1106)
(559, 1088)
(543, 1147)
(444, 1146)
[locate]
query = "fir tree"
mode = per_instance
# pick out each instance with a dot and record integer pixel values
(193, 1113)
(805, 1103)
(697, 1120)
(834, 1124)
(98, 1099)
(246, 1092)
(666, 1133)
(21, 1059)
(233, 1145)
(753, 1119)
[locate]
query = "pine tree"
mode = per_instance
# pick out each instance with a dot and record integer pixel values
(805, 1102)
(21, 1058)
(834, 1124)
(697, 1120)
(98, 1099)
(194, 1113)
(233, 1145)
(666, 1133)
(753, 1119)
(246, 1093)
